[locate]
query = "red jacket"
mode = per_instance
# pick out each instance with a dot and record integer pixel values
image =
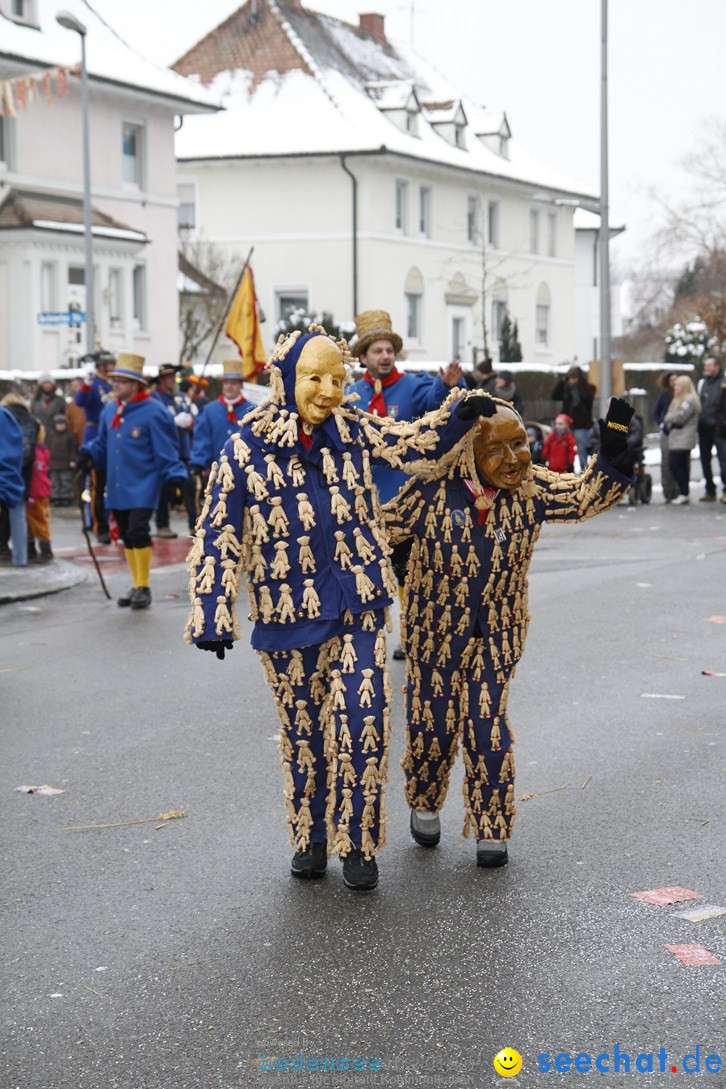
(559, 452)
(40, 480)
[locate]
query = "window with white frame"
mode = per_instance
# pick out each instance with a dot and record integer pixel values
(499, 313)
(115, 296)
(6, 136)
(3, 143)
(458, 337)
(290, 300)
(534, 230)
(493, 223)
(186, 193)
(412, 122)
(542, 318)
(132, 148)
(21, 11)
(49, 285)
(413, 294)
(472, 219)
(139, 296)
(401, 206)
(551, 234)
(459, 135)
(424, 211)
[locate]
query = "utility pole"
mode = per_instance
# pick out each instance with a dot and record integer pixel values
(606, 383)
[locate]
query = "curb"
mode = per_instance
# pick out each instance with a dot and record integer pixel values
(22, 583)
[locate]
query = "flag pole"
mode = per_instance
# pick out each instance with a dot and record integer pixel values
(223, 319)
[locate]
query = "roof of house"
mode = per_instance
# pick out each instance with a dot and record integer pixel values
(109, 58)
(296, 82)
(46, 211)
(192, 281)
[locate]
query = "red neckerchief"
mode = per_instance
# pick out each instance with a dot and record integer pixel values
(142, 395)
(305, 439)
(377, 405)
(231, 415)
(483, 498)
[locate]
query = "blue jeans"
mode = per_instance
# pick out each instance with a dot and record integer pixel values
(19, 535)
(582, 434)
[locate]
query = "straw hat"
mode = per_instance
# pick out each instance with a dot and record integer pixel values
(131, 366)
(372, 325)
(232, 368)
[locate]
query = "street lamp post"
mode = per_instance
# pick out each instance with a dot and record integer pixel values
(606, 367)
(70, 22)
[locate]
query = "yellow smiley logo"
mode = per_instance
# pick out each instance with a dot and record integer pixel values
(507, 1062)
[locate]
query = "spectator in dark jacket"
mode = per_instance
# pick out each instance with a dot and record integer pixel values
(62, 448)
(12, 491)
(712, 425)
(47, 401)
(506, 388)
(577, 396)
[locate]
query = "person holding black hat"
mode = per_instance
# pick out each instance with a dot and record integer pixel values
(138, 446)
(183, 414)
(95, 391)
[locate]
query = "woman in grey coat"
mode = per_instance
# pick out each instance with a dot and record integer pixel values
(681, 427)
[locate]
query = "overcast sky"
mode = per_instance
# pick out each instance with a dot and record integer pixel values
(540, 61)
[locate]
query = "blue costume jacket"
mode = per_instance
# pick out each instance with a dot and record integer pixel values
(174, 403)
(12, 485)
(304, 523)
(212, 430)
(91, 400)
(140, 455)
(411, 396)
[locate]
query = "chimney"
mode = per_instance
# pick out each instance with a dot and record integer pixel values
(373, 25)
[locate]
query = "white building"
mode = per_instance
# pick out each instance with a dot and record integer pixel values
(133, 105)
(364, 179)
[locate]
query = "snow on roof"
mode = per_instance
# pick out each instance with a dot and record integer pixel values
(324, 106)
(109, 57)
(394, 95)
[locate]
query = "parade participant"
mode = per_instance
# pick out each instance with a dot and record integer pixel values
(292, 502)
(12, 491)
(474, 520)
(220, 419)
(137, 444)
(182, 412)
(386, 391)
(95, 391)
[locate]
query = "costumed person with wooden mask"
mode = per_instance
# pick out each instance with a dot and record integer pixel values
(474, 519)
(291, 502)
(137, 444)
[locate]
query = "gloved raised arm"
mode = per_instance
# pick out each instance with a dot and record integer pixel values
(614, 428)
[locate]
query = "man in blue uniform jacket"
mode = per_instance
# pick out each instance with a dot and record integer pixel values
(137, 444)
(12, 488)
(386, 391)
(291, 502)
(95, 391)
(183, 413)
(220, 419)
(474, 520)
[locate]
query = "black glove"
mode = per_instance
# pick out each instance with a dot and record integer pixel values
(84, 462)
(614, 447)
(173, 490)
(217, 645)
(476, 404)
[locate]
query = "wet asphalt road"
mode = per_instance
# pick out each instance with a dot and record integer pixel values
(145, 957)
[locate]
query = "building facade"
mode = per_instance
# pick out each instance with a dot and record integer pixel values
(363, 181)
(133, 106)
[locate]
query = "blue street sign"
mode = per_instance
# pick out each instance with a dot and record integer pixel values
(61, 317)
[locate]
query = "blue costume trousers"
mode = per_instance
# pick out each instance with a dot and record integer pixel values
(444, 707)
(333, 699)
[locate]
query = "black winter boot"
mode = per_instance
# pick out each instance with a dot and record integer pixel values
(46, 552)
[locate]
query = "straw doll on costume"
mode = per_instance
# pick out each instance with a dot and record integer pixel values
(474, 520)
(292, 502)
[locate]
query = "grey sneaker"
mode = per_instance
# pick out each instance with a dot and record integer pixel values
(425, 827)
(491, 853)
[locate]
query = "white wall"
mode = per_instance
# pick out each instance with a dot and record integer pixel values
(297, 213)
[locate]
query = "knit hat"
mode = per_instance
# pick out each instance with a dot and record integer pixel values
(46, 377)
(506, 375)
(372, 325)
(60, 417)
(565, 417)
(131, 366)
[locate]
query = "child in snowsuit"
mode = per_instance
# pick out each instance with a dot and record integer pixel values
(62, 447)
(560, 447)
(37, 510)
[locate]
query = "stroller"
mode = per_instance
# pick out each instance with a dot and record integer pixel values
(536, 435)
(642, 489)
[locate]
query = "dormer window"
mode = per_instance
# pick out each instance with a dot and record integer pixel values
(459, 138)
(412, 122)
(397, 100)
(494, 132)
(448, 120)
(20, 11)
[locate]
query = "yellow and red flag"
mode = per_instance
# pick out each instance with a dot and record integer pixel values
(243, 328)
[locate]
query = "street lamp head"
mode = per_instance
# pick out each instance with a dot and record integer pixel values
(69, 21)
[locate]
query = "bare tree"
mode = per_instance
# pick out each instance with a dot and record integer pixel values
(208, 275)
